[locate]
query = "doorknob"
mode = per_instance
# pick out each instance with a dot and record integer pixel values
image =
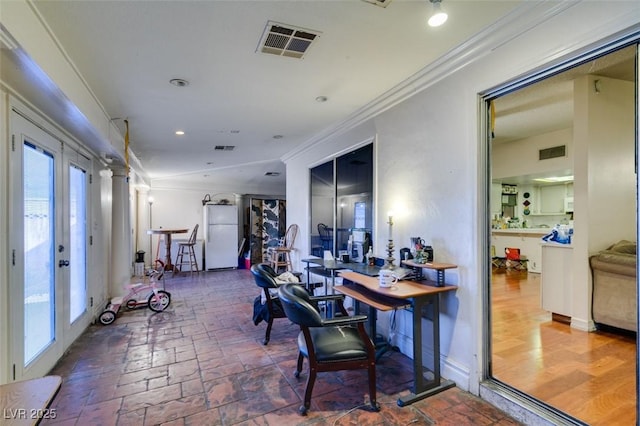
(62, 263)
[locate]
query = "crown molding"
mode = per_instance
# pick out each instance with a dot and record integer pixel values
(516, 23)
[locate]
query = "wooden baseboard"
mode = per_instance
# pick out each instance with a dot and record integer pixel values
(561, 318)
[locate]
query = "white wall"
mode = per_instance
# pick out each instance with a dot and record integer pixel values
(605, 182)
(428, 168)
(520, 157)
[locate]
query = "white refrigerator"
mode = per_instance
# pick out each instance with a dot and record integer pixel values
(221, 236)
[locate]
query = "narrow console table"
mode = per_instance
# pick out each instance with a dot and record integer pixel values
(403, 294)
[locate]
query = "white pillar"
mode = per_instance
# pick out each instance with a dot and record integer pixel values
(144, 224)
(121, 256)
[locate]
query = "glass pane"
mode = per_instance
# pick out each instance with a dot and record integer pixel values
(354, 181)
(322, 207)
(78, 238)
(39, 247)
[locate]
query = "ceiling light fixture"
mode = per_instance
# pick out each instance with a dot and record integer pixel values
(321, 99)
(438, 17)
(555, 179)
(179, 82)
(179, 132)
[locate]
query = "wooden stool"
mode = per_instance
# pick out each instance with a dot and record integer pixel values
(280, 256)
(187, 248)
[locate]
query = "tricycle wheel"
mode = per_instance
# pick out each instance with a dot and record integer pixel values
(159, 301)
(107, 317)
(132, 304)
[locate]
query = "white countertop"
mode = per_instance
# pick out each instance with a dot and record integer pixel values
(537, 231)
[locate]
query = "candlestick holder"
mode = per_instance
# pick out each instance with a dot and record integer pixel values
(390, 259)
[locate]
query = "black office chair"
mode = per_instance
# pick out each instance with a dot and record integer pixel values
(264, 276)
(332, 344)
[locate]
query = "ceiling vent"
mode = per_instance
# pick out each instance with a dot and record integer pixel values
(272, 174)
(381, 3)
(286, 40)
(224, 148)
(553, 152)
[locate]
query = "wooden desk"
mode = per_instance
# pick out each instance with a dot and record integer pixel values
(367, 290)
(27, 402)
(168, 266)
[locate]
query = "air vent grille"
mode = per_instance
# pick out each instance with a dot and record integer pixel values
(286, 40)
(224, 148)
(553, 152)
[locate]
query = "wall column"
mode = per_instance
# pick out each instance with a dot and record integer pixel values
(144, 224)
(121, 256)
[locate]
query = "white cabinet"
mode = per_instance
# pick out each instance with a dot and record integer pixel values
(552, 199)
(557, 278)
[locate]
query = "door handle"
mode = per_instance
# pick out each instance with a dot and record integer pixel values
(62, 263)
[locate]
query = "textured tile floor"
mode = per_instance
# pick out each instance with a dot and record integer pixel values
(202, 362)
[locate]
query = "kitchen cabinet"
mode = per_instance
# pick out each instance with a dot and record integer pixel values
(557, 278)
(552, 199)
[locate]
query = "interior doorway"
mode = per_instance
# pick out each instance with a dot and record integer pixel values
(552, 144)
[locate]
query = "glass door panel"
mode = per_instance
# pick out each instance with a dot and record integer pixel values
(77, 243)
(39, 249)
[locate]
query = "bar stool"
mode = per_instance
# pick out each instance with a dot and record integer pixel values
(187, 248)
(280, 256)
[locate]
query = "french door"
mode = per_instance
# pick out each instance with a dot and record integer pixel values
(49, 247)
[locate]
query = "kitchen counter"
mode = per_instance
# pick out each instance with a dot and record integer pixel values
(528, 240)
(522, 231)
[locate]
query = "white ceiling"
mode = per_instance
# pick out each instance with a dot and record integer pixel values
(127, 51)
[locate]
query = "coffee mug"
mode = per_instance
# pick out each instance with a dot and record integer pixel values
(387, 279)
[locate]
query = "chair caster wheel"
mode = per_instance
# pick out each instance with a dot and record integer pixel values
(302, 410)
(375, 406)
(296, 374)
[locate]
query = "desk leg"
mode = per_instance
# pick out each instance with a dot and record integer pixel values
(421, 389)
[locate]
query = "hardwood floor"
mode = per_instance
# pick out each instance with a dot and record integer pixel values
(590, 376)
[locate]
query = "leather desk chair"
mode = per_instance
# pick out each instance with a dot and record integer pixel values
(265, 278)
(331, 344)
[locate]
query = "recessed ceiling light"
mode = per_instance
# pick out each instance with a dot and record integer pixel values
(555, 179)
(278, 136)
(322, 99)
(179, 132)
(179, 82)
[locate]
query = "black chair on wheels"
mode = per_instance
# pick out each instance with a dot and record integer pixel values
(331, 344)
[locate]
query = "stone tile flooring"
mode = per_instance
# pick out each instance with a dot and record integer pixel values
(202, 362)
